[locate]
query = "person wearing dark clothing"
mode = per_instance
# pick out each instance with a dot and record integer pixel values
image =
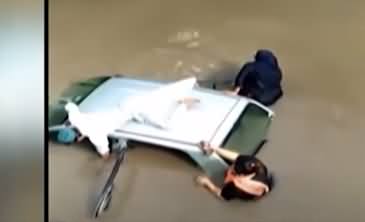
(247, 178)
(260, 79)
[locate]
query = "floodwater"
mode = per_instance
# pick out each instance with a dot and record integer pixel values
(315, 143)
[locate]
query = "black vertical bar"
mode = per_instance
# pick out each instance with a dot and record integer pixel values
(46, 171)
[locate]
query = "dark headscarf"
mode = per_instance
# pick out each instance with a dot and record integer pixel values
(262, 74)
(267, 62)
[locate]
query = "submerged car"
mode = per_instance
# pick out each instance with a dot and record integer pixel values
(234, 122)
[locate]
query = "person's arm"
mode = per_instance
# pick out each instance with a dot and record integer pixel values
(209, 185)
(233, 92)
(253, 187)
(246, 70)
(80, 138)
(227, 154)
(105, 156)
(242, 74)
(237, 85)
(260, 187)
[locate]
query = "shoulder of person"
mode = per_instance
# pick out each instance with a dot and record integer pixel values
(247, 67)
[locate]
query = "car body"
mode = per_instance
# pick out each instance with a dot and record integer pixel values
(220, 119)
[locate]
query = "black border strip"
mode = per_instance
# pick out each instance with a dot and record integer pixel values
(46, 98)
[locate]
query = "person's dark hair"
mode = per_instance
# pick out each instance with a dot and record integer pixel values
(271, 181)
(248, 167)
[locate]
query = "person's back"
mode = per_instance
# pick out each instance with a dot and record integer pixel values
(244, 166)
(268, 68)
(261, 79)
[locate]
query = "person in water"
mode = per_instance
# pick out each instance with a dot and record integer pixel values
(260, 79)
(247, 178)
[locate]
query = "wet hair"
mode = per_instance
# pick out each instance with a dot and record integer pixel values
(270, 181)
(244, 166)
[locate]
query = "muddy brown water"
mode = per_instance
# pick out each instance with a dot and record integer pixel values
(315, 143)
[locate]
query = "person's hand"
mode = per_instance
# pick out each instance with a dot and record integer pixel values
(250, 176)
(106, 156)
(80, 138)
(68, 123)
(205, 147)
(229, 92)
(202, 180)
